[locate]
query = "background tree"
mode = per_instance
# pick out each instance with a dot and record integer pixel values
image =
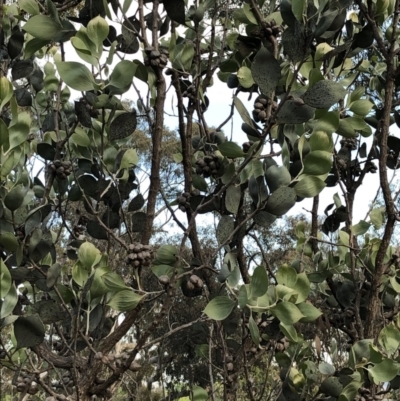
(132, 254)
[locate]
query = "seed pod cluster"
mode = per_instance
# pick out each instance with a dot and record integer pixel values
(270, 29)
(282, 345)
(208, 166)
(350, 143)
(371, 167)
(139, 255)
(156, 58)
(62, 169)
(192, 287)
(247, 145)
(260, 108)
(26, 383)
(355, 168)
(67, 379)
(190, 92)
(183, 201)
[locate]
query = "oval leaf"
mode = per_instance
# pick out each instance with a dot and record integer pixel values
(219, 308)
(125, 300)
(266, 71)
(287, 313)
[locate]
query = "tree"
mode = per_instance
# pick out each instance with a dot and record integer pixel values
(135, 256)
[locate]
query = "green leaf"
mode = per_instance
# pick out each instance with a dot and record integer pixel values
(198, 393)
(123, 126)
(242, 296)
(259, 282)
(331, 386)
(324, 94)
(18, 132)
(129, 159)
(377, 217)
(302, 287)
(287, 313)
(245, 78)
(360, 228)
(80, 273)
(199, 183)
(254, 332)
(317, 162)
(124, 301)
(287, 276)
(122, 74)
(97, 30)
(225, 228)
(166, 254)
(232, 198)
(75, 75)
(309, 311)
(15, 198)
(52, 274)
(219, 308)
(384, 371)
(292, 112)
(202, 350)
(184, 58)
(6, 91)
(30, 6)
(266, 71)
(264, 219)
(346, 129)
(114, 282)
(9, 242)
(281, 201)
(389, 339)
(309, 186)
(9, 302)
(289, 331)
(5, 279)
(299, 8)
(98, 287)
(88, 255)
(231, 150)
(326, 368)
(43, 27)
(277, 176)
(320, 140)
(350, 391)
(361, 107)
(243, 111)
(80, 137)
(29, 331)
(328, 123)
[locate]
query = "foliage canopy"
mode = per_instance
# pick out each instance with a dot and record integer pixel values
(100, 298)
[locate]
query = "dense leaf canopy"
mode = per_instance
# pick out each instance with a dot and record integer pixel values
(132, 254)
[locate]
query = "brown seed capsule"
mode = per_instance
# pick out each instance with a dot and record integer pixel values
(262, 115)
(155, 54)
(268, 31)
(164, 279)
